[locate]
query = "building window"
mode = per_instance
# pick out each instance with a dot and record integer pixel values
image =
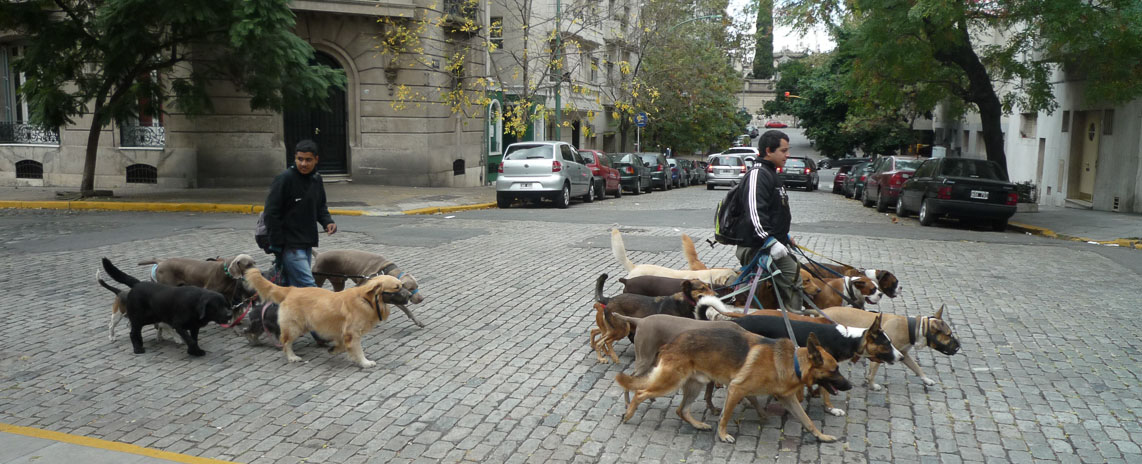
(142, 174)
(15, 126)
(594, 70)
(146, 130)
(1108, 122)
(496, 32)
(1027, 125)
(1066, 121)
(28, 169)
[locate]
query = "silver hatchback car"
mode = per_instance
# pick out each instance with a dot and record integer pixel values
(725, 170)
(537, 170)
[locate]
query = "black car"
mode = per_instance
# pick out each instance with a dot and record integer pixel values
(660, 171)
(854, 183)
(800, 172)
(969, 189)
(633, 174)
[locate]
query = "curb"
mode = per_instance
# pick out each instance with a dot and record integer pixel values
(212, 207)
(1045, 232)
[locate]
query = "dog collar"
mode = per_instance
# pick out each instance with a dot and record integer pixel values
(796, 366)
(913, 330)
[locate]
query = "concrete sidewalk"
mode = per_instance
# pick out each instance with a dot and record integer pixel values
(20, 445)
(343, 198)
(1102, 227)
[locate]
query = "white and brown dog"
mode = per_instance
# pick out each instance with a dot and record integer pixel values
(717, 277)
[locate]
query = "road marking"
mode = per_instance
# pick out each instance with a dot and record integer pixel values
(106, 445)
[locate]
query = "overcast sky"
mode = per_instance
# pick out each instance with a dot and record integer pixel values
(784, 37)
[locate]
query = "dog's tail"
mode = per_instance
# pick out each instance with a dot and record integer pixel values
(632, 321)
(118, 275)
(631, 383)
(599, 289)
(692, 254)
(620, 250)
(113, 289)
(267, 291)
(149, 262)
(712, 308)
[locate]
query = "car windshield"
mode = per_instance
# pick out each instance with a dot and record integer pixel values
(739, 150)
(520, 152)
(910, 164)
(727, 161)
(652, 159)
(971, 168)
(794, 163)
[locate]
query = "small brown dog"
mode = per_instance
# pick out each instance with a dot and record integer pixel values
(610, 329)
(748, 364)
(343, 317)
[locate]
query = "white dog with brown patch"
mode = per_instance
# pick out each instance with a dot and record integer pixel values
(718, 277)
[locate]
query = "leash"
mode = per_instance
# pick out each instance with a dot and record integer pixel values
(799, 247)
(249, 302)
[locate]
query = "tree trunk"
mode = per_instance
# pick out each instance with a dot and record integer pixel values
(980, 90)
(87, 185)
(624, 129)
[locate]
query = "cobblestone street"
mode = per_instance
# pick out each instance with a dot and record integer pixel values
(1049, 369)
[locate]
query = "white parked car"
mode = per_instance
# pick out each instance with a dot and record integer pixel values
(749, 154)
(536, 170)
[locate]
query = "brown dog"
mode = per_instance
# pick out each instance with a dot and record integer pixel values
(750, 365)
(609, 329)
(906, 333)
(886, 282)
(343, 317)
(337, 266)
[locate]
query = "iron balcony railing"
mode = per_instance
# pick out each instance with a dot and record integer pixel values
(28, 134)
(132, 136)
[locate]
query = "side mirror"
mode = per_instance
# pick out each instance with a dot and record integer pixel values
(646, 164)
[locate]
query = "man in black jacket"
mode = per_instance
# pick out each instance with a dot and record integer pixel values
(769, 217)
(295, 202)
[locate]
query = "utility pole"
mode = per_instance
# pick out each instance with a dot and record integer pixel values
(558, 71)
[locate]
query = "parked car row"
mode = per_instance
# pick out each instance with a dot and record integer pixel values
(967, 189)
(556, 171)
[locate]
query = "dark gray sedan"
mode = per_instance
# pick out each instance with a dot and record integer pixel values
(969, 189)
(633, 173)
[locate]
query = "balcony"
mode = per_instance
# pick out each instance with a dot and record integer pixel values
(27, 134)
(133, 136)
(459, 12)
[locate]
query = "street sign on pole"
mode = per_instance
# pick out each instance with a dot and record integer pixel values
(640, 119)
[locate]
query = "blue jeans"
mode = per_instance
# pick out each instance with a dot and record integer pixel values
(296, 263)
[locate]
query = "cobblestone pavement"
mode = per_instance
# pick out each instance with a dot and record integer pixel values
(502, 373)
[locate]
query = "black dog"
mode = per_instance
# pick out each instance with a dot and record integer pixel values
(185, 309)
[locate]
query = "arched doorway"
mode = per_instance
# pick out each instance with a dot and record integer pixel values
(328, 128)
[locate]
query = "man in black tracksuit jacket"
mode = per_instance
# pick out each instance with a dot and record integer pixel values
(769, 218)
(295, 202)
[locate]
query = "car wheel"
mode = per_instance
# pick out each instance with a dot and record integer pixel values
(925, 215)
(900, 211)
(619, 191)
(564, 199)
(503, 200)
(999, 225)
(881, 204)
(590, 196)
(864, 199)
(637, 190)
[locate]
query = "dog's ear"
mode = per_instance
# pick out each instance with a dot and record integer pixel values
(687, 286)
(940, 313)
(814, 348)
(875, 327)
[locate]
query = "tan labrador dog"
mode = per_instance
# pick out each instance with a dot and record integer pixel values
(343, 317)
(718, 277)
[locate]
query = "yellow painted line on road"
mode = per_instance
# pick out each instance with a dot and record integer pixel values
(449, 209)
(106, 445)
(1035, 229)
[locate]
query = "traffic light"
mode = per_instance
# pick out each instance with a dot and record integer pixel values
(786, 94)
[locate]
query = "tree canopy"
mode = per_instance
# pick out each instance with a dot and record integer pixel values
(102, 57)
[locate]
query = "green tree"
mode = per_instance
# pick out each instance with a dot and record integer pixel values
(931, 50)
(763, 50)
(96, 57)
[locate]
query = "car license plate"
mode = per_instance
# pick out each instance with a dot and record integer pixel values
(531, 185)
(979, 194)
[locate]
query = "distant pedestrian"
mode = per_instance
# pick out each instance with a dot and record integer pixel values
(296, 201)
(669, 152)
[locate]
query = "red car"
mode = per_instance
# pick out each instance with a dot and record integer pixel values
(886, 179)
(606, 176)
(775, 125)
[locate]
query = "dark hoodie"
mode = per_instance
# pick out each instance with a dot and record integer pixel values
(768, 203)
(295, 202)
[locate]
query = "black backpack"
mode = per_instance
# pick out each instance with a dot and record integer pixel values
(731, 219)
